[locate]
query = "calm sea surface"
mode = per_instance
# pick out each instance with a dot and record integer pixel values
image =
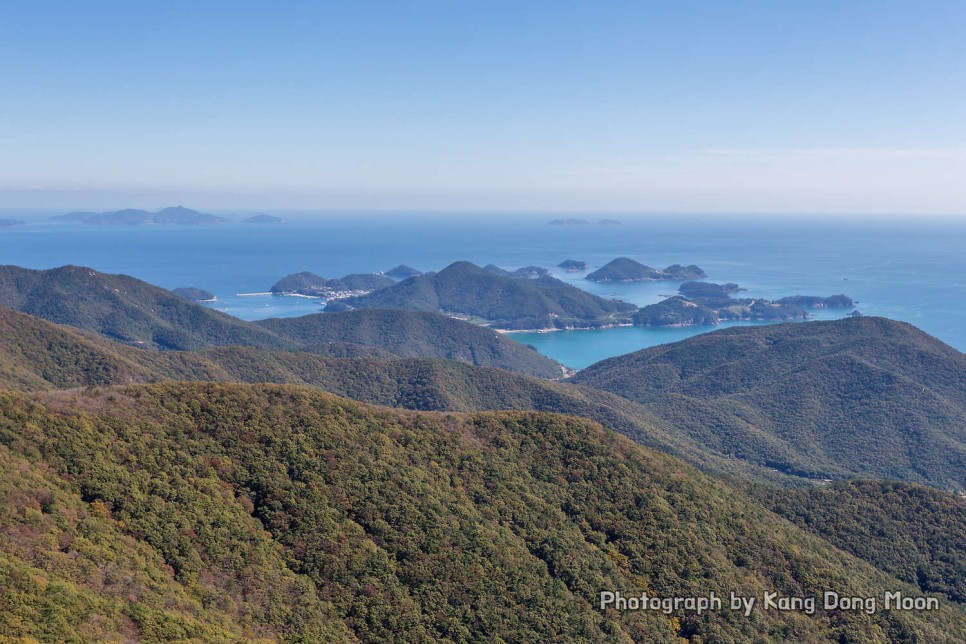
(911, 269)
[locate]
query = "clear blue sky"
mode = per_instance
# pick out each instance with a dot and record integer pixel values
(769, 106)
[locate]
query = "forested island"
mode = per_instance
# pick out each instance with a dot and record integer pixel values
(707, 303)
(573, 265)
(403, 272)
(624, 269)
(527, 298)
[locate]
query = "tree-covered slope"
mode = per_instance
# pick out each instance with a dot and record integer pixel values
(913, 532)
(500, 300)
(415, 334)
(283, 512)
(860, 397)
(38, 355)
(124, 309)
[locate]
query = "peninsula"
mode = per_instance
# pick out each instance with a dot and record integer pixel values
(193, 294)
(311, 285)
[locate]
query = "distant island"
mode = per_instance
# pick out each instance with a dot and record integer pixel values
(609, 222)
(573, 266)
(816, 302)
(10, 223)
(193, 294)
(624, 269)
(311, 285)
(172, 216)
(262, 219)
(403, 272)
(707, 304)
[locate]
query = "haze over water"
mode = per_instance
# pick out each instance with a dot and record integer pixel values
(904, 269)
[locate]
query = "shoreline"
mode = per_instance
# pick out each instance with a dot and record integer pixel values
(555, 329)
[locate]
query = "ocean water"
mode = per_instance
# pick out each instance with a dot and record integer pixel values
(911, 269)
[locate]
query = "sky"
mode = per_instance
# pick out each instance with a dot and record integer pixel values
(759, 107)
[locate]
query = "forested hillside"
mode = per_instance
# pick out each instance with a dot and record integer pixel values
(911, 531)
(227, 512)
(415, 334)
(859, 397)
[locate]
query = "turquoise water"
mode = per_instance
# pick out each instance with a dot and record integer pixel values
(912, 270)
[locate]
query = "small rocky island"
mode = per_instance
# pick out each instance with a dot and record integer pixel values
(173, 216)
(311, 285)
(624, 269)
(193, 294)
(706, 303)
(11, 223)
(262, 219)
(573, 266)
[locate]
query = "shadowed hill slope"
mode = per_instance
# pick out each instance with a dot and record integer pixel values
(412, 334)
(860, 397)
(125, 309)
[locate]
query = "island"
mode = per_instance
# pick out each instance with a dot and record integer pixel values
(708, 289)
(526, 273)
(172, 216)
(262, 219)
(706, 303)
(308, 284)
(403, 272)
(193, 294)
(10, 223)
(500, 299)
(568, 222)
(609, 222)
(573, 265)
(624, 269)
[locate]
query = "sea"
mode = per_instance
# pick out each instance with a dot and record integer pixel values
(905, 268)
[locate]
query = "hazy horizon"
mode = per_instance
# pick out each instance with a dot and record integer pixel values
(746, 107)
